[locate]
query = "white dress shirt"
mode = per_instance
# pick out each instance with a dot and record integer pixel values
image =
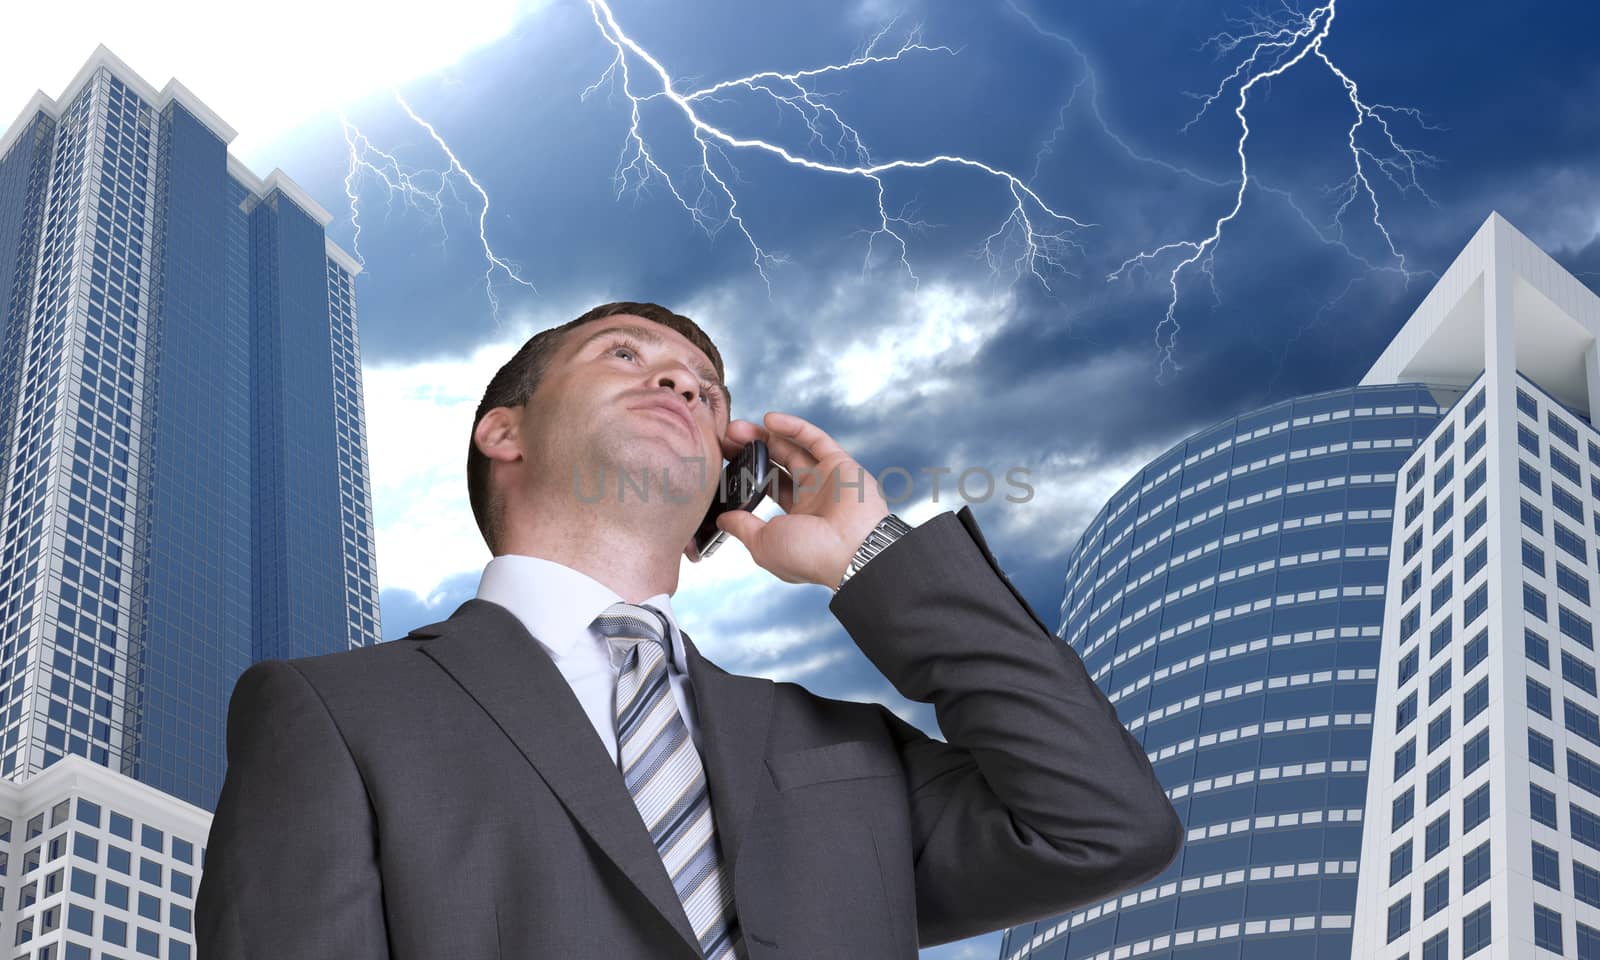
(557, 604)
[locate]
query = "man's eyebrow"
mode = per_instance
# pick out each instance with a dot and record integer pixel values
(654, 339)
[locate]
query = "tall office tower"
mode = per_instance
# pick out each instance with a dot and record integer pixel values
(1229, 601)
(1483, 805)
(183, 487)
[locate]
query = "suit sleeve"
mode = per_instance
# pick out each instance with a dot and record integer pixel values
(1040, 800)
(291, 861)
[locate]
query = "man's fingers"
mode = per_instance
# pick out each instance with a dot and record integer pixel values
(802, 434)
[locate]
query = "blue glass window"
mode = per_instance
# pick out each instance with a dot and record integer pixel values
(1582, 722)
(1588, 937)
(1475, 867)
(1399, 918)
(1586, 883)
(1399, 863)
(1576, 627)
(1405, 758)
(1401, 810)
(1541, 751)
(1528, 476)
(1585, 826)
(1435, 893)
(1443, 512)
(1474, 700)
(1440, 595)
(1581, 772)
(1439, 780)
(1566, 502)
(1438, 730)
(1473, 408)
(1475, 518)
(1409, 622)
(1473, 653)
(1415, 473)
(1439, 637)
(1414, 509)
(1533, 601)
(1527, 404)
(1412, 545)
(1475, 932)
(1577, 673)
(1410, 583)
(1527, 439)
(1532, 517)
(1546, 928)
(1444, 475)
(1474, 481)
(1474, 753)
(1474, 809)
(1533, 558)
(1537, 648)
(1539, 698)
(1442, 551)
(1542, 804)
(1408, 668)
(1437, 947)
(1565, 466)
(1405, 712)
(1438, 683)
(1571, 542)
(1436, 836)
(1546, 866)
(1443, 441)
(1476, 603)
(88, 812)
(1561, 429)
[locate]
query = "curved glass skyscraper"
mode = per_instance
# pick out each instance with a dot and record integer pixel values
(1230, 600)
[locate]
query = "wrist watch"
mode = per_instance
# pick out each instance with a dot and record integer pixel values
(888, 530)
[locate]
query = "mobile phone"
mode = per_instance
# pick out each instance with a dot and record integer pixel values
(742, 487)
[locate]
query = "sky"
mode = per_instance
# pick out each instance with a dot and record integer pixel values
(969, 237)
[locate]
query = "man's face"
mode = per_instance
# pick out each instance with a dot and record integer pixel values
(627, 394)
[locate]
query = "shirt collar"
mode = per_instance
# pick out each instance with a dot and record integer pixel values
(557, 603)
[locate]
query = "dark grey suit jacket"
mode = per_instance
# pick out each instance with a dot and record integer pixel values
(444, 795)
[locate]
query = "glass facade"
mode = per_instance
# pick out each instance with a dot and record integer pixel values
(183, 481)
(1230, 600)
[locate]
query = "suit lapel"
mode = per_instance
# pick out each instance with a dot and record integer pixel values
(493, 657)
(733, 714)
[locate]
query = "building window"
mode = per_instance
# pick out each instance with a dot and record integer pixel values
(1533, 558)
(1435, 893)
(1573, 583)
(1440, 594)
(1546, 927)
(1439, 780)
(1566, 502)
(1539, 698)
(1399, 863)
(1475, 518)
(1405, 758)
(1446, 473)
(1439, 637)
(1401, 810)
(1541, 752)
(1571, 542)
(1474, 561)
(1528, 476)
(1408, 668)
(1475, 867)
(1473, 653)
(1542, 805)
(1581, 772)
(1443, 512)
(1405, 712)
(1474, 700)
(1409, 623)
(1413, 509)
(1546, 866)
(1474, 754)
(1474, 809)
(1527, 439)
(1399, 918)
(1442, 551)
(1588, 937)
(1561, 430)
(1437, 947)
(1475, 604)
(1412, 545)
(1474, 407)
(1474, 481)
(1438, 730)
(1537, 648)
(1409, 585)
(1438, 683)
(1527, 404)
(1415, 473)
(1532, 517)
(1585, 826)
(1577, 673)
(1582, 722)
(1533, 601)
(1436, 836)
(1586, 884)
(1576, 627)
(1565, 466)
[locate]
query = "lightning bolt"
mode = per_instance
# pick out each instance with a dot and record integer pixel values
(424, 190)
(1033, 237)
(1273, 45)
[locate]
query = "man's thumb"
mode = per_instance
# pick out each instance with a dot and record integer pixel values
(740, 524)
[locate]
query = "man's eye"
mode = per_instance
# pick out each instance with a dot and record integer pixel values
(627, 350)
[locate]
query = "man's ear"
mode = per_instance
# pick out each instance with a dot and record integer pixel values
(496, 434)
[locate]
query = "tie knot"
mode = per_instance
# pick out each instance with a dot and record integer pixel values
(626, 624)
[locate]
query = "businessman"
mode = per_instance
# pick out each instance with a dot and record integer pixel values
(555, 771)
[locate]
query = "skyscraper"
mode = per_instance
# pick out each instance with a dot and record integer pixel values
(1483, 804)
(1229, 600)
(183, 485)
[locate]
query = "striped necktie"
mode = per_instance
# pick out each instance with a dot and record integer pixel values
(662, 770)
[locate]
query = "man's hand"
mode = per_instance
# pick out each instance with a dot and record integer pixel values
(830, 502)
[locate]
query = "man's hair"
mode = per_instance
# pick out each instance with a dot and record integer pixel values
(517, 380)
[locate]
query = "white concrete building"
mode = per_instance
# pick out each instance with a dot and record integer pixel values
(97, 866)
(1482, 818)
